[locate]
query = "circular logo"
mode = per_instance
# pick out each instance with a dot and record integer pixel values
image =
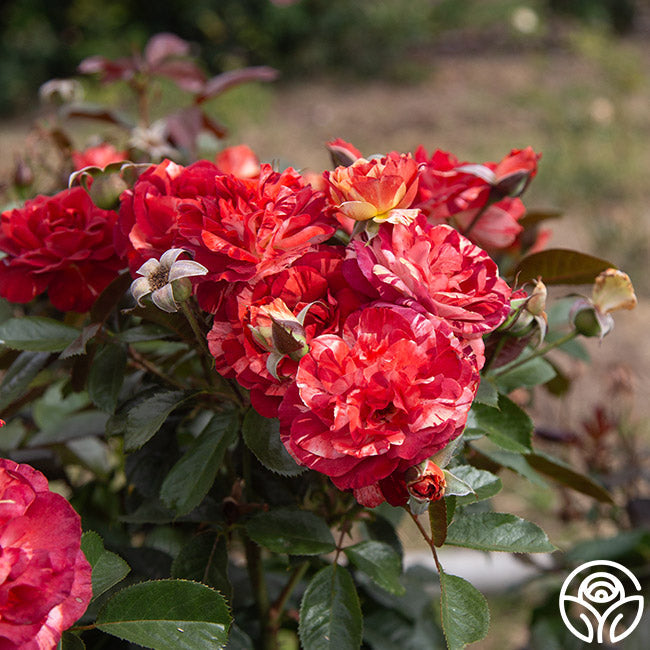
(605, 597)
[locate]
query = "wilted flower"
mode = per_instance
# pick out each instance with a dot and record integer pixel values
(153, 140)
(612, 290)
(61, 91)
(166, 280)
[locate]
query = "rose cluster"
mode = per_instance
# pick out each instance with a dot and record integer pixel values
(350, 305)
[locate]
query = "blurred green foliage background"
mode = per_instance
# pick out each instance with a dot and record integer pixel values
(43, 39)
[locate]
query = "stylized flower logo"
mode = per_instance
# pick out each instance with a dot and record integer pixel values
(601, 595)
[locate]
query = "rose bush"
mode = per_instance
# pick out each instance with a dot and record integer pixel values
(301, 358)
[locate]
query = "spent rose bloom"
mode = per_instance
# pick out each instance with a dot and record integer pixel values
(612, 290)
(481, 199)
(251, 228)
(433, 269)
(393, 390)
(45, 583)
(62, 244)
(382, 189)
(148, 216)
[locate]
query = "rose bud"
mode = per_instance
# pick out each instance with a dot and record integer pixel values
(425, 482)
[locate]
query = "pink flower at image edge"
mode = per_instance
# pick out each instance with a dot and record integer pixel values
(46, 579)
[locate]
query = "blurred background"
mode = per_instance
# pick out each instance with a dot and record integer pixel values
(571, 78)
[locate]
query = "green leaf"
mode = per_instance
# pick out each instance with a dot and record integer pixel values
(262, 437)
(20, 375)
(204, 559)
(455, 486)
(464, 612)
(36, 333)
(484, 483)
(386, 629)
(191, 478)
(107, 376)
(560, 266)
(497, 531)
(148, 332)
(438, 521)
(76, 425)
(508, 425)
(516, 462)
(617, 548)
(330, 613)
(291, 531)
(378, 561)
(108, 568)
(143, 415)
(531, 373)
(487, 393)
(563, 473)
(70, 641)
(168, 615)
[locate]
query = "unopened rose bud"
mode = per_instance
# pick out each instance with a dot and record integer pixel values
(536, 304)
(425, 482)
(105, 190)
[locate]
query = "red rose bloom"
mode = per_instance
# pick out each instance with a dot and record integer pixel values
(394, 389)
(99, 156)
(148, 221)
(239, 160)
(435, 269)
(314, 278)
(62, 244)
(481, 199)
(44, 576)
(251, 228)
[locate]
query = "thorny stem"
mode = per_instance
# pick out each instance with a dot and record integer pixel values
(538, 353)
(427, 538)
(141, 362)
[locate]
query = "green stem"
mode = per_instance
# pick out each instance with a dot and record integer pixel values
(257, 579)
(140, 361)
(196, 328)
(497, 350)
(277, 609)
(428, 539)
(477, 216)
(538, 353)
